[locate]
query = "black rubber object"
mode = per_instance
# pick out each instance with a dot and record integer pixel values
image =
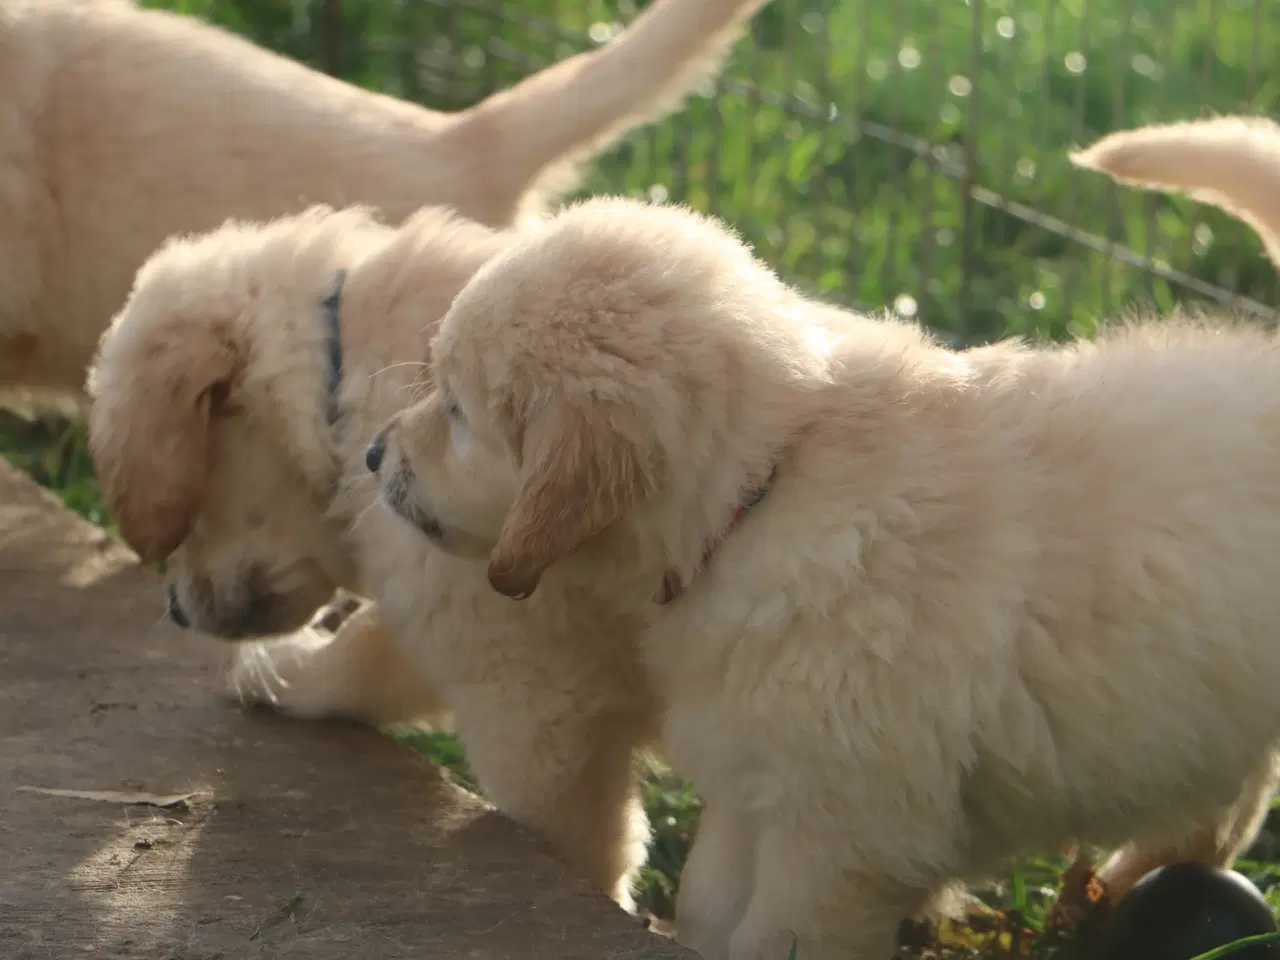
(1185, 909)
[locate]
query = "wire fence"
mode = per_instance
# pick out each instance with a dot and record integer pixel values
(910, 155)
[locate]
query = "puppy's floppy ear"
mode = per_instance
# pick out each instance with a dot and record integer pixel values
(578, 476)
(154, 393)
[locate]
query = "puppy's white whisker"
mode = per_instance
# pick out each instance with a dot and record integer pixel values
(360, 517)
(409, 364)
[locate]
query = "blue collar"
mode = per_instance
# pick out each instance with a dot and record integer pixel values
(333, 344)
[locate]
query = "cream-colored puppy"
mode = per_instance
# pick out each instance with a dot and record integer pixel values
(914, 611)
(1229, 162)
(121, 126)
(234, 398)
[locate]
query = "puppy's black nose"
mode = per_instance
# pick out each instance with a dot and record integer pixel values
(373, 456)
(175, 609)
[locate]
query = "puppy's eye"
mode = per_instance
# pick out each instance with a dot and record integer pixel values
(453, 411)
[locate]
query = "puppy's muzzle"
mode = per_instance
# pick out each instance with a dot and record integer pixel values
(246, 610)
(393, 486)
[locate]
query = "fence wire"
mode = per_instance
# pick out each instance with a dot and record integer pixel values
(910, 155)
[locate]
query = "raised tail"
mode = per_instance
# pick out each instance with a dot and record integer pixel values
(1229, 162)
(574, 109)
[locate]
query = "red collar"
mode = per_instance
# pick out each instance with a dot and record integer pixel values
(672, 585)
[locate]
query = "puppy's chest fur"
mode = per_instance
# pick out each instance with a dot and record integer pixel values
(446, 616)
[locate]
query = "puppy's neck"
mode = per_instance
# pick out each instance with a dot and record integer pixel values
(688, 540)
(757, 438)
(674, 580)
(663, 551)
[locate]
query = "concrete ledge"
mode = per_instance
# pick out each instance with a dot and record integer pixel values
(143, 816)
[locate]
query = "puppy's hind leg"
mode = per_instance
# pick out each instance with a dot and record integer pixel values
(360, 674)
(1216, 843)
(805, 903)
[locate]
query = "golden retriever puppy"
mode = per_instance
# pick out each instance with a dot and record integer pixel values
(121, 126)
(1229, 162)
(913, 611)
(234, 398)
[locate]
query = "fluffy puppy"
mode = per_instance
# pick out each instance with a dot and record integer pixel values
(121, 126)
(1229, 162)
(234, 397)
(913, 611)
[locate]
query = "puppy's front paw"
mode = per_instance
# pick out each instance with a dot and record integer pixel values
(332, 616)
(291, 674)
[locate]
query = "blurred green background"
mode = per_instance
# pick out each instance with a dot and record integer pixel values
(842, 133)
(907, 155)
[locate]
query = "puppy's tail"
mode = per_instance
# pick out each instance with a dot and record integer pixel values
(1230, 162)
(571, 111)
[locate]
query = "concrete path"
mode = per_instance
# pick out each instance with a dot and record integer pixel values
(143, 816)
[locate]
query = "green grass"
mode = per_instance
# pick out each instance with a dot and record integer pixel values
(833, 193)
